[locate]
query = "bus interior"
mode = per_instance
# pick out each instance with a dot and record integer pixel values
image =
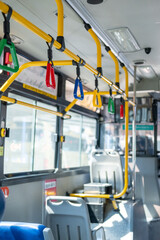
(80, 120)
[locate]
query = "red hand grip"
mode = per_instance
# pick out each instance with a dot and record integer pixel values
(121, 112)
(53, 78)
(8, 58)
(50, 73)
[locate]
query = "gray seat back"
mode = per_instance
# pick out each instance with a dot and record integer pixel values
(106, 167)
(147, 187)
(68, 218)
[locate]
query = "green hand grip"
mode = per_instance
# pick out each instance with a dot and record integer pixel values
(111, 108)
(3, 44)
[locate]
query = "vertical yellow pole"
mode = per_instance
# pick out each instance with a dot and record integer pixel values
(126, 138)
(126, 129)
(60, 17)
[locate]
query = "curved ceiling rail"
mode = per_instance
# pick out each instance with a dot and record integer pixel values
(17, 17)
(116, 65)
(13, 77)
(10, 80)
(98, 44)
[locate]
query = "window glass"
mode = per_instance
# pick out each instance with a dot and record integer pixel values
(80, 139)
(71, 146)
(113, 137)
(45, 138)
(18, 147)
(31, 144)
(88, 142)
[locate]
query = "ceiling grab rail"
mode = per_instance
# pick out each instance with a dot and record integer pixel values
(115, 196)
(97, 102)
(20, 19)
(98, 44)
(6, 42)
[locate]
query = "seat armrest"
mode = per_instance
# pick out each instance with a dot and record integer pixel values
(47, 233)
(95, 230)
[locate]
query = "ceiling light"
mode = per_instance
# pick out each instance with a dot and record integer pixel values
(124, 39)
(94, 1)
(146, 72)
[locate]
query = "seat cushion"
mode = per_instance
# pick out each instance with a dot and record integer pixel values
(21, 231)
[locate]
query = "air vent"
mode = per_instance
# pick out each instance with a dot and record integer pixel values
(94, 1)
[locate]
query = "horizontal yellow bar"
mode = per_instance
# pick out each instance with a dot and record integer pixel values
(90, 195)
(107, 93)
(12, 100)
(31, 64)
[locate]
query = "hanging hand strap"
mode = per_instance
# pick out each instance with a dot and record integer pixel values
(111, 108)
(97, 102)
(78, 84)
(50, 76)
(121, 108)
(6, 42)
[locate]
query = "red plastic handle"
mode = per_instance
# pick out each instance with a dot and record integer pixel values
(8, 58)
(50, 73)
(53, 78)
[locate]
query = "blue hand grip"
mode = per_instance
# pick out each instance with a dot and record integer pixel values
(78, 83)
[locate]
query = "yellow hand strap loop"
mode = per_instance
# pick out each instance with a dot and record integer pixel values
(97, 102)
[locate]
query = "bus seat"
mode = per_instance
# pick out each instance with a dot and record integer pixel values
(21, 230)
(68, 218)
(106, 167)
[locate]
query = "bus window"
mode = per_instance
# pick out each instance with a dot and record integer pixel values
(80, 138)
(45, 138)
(31, 144)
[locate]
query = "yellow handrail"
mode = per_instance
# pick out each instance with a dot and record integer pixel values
(86, 93)
(31, 64)
(126, 138)
(17, 17)
(126, 154)
(99, 55)
(60, 18)
(116, 67)
(97, 102)
(12, 100)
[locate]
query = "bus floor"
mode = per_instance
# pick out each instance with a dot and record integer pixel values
(129, 223)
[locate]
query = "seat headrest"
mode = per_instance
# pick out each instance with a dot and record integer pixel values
(2, 204)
